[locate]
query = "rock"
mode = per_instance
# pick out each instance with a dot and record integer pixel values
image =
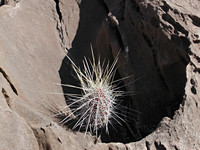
(15, 132)
(69, 15)
(158, 43)
(52, 136)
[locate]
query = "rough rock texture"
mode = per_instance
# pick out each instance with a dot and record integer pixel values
(159, 43)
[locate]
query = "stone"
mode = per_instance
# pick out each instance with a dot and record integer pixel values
(15, 132)
(158, 44)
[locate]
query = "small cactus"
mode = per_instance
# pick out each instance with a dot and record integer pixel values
(97, 102)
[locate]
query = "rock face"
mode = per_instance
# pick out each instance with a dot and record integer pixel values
(159, 43)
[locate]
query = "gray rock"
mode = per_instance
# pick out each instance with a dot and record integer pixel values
(159, 43)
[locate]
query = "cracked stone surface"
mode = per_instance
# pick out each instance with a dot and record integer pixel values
(159, 43)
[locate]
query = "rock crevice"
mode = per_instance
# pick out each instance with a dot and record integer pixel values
(158, 43)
